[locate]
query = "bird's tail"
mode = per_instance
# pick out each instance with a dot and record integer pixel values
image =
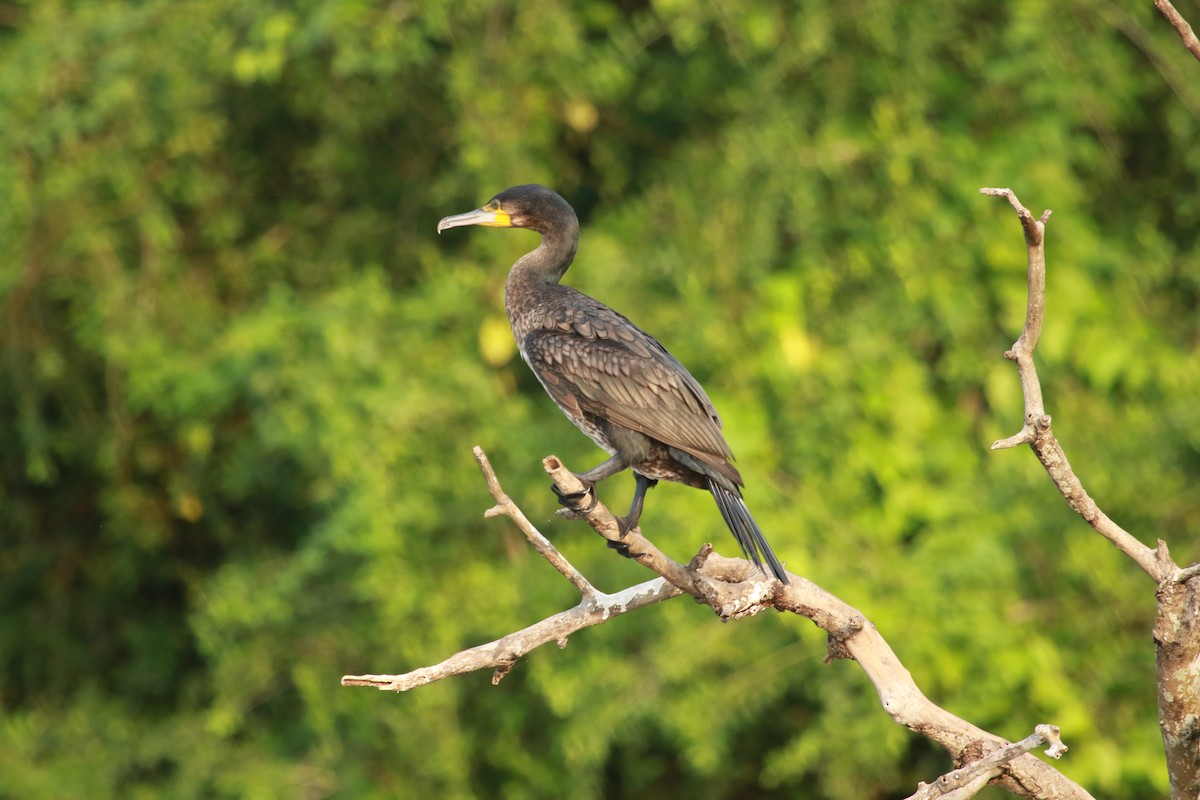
(745, 529)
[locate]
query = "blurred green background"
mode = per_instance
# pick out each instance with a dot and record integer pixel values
(242, 377)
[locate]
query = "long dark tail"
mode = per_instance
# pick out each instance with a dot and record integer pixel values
(745, 529)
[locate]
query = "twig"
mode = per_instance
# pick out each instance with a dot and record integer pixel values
(1036, 431)
(969, 780)
(505, 506)
(1186, 574)
(1035, 310)
(1186, 34)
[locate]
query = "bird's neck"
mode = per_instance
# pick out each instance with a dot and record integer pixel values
(543, 266)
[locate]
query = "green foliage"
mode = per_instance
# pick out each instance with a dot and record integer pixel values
(242, 377)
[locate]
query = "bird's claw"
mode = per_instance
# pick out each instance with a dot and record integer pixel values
(622, 548)
(573, 500)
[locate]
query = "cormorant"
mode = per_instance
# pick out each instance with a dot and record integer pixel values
(614, 381)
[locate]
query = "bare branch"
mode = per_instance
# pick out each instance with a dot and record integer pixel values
(969, 780)
(504, 505)
(1036, 431)
(733, 588)
(1177, 623)
(502, 654)
(1186, 34)
(853, 636)
(1035, 310)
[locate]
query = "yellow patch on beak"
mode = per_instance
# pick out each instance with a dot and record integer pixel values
(491, 218)
(501, 219)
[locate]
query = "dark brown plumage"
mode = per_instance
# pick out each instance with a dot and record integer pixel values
(614, 381)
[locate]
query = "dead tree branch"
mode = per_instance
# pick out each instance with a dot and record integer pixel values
(506, 507)
(1177, 626)
(1036, 430)
(503, 653)
(1186, 34)
(594, 608)
(733, 588)
(970, 780)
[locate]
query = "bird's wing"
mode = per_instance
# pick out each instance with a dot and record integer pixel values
(593, 360)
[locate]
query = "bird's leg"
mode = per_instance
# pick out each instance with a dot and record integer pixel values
(574, 500)
(639, 499)
(606, 470)
(628, 522)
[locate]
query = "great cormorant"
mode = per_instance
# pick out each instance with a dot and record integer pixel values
(614, 381)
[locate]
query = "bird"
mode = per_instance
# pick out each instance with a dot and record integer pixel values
(616, 382)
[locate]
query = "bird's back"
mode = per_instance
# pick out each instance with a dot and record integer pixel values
(597, 365)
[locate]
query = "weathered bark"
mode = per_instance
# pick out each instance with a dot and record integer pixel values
(1177, 650)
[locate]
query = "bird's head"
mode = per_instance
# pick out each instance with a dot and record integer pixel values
(530, 206)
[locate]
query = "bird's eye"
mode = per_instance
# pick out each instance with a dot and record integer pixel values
(493, 205)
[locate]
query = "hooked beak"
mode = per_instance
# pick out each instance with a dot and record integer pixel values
(480, 216)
